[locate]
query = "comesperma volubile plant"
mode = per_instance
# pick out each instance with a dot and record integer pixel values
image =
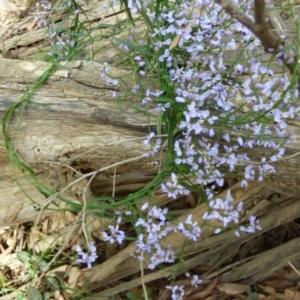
(211, 116)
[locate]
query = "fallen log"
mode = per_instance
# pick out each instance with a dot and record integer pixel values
(73, 120)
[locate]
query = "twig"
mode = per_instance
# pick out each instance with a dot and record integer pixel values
(292, 266)
(84, 216)
(260, 15)
(274, 161)
(270, 39)
(259, 28)
(142, 277)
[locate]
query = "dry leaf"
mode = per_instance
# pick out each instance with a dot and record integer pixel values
(208, 290)
(232, 288)
(291, 295)
(280, 284)
(73, 276)
(7, 7)
(269, 290)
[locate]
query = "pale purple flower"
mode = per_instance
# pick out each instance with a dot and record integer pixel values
(156, 147)
(226, 137)
(145, 206)
(185, 33)
(180, 99)
(86, 258)
(177, 148)
(232, 44)
(177, 292)
(135, 89)
(173, 188)
(195, 281)
(158, 213)
(249, 172)
(161, 107)
(252, 227)
(169, 17)
(149, 137)
(189, 229)
(217, 231)
(116, 235)
(156, 93)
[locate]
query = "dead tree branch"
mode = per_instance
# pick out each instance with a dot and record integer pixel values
(271, 40)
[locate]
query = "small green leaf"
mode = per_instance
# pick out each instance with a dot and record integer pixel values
(132, 296)
(251, 295)
(215, 259)
(33, 293)
(24, 257)
(43, 265)
(53, 283)
(21, 296)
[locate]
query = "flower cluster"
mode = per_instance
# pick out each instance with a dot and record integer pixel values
(86, 258)
(204, 91)
(115, 235)
(109, 80)
(251, 227)
(223, 211)
(155, 148)
(173, 189)
(177, 292)
(200, 84)
(189, 229)
(61, 44)
(218, 115)
(153, 228)
(39, 12)
(104, 74)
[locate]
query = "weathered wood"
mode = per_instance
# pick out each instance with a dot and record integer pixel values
(76, 101)
(78, 115)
